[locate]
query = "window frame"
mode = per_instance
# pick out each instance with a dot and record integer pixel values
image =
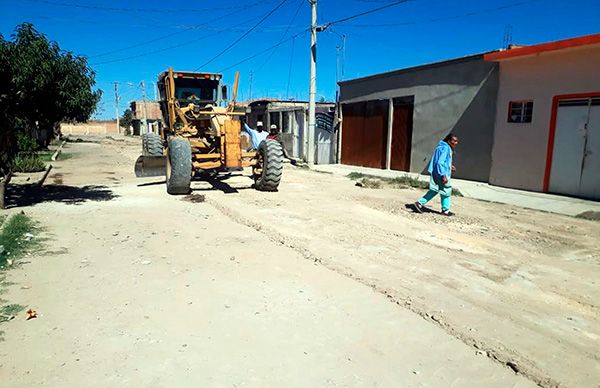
(523, 112)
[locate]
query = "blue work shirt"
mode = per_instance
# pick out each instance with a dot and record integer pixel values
(441, 161)
(255, 137)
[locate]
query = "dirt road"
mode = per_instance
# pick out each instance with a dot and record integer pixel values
(320, 284)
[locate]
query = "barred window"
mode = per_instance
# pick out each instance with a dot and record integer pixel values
(520, 111)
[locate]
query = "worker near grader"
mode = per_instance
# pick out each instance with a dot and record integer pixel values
(256, 135)
(275, 134)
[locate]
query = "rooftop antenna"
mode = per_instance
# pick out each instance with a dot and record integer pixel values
(507, 42)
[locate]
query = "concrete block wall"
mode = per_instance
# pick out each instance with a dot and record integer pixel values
(90, 128)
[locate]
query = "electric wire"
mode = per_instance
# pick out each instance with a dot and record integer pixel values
(451, 17)
(150, 10)
(264, 51)
(326, 25)
(287, 88)
(147, 42)
(377, 9)
(156, 51)
(301, 2)
(243, 35)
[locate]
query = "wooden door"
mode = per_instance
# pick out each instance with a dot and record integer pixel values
(401, 137)
(353, 133)
(375, 133)
(364, 133)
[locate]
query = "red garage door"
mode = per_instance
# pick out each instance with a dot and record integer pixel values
(401, 136)
(364, 133)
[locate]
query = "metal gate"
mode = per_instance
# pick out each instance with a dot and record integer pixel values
(576, 154)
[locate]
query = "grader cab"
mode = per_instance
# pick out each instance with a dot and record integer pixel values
(201, 135)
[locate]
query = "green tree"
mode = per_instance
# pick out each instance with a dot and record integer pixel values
(40, 86)
(126, 119)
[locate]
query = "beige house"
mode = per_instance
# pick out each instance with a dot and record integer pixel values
(547, 131)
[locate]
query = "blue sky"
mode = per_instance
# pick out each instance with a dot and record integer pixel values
(186, 35)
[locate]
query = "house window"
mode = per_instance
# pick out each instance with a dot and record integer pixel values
(520, 111)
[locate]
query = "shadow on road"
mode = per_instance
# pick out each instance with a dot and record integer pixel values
(28, 195)
(217, 182)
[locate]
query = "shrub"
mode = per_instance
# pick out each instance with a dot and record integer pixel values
(26, 143)
(28, 162)
(15, 237)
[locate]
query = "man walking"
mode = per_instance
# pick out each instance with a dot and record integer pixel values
(440, 170)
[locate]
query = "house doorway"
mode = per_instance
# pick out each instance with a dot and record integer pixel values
(576, 149)
(402, 127)
(364, 133)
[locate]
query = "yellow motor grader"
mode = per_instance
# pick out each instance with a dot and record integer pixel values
(202, 136)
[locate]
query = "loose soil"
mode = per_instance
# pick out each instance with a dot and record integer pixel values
(320, 284)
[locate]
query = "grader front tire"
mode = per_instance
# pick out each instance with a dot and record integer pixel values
(268, 173)
(179, 166)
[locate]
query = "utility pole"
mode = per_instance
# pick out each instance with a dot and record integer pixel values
(507, 41)
(117, 105)
(340, 64)
(251, 80)
(343, 55)
(144, 102)
(312, 89)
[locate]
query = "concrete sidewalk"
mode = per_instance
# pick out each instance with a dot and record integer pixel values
(484, 191)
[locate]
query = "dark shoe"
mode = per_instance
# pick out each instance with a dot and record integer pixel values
(447, 213)
(417, 207)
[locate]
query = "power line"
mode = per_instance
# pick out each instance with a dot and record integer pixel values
(273, 28)
(287, 89)
(156, 51)
(144, 43)
(165, 48)
(443, 18)
(345, 19)
(263, 51)
(243, 35)
(151, 10)
(283, 36)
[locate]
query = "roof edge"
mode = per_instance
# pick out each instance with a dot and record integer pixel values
(415, 68)
(543, 47)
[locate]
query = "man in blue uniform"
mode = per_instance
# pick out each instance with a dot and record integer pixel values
(440, 170)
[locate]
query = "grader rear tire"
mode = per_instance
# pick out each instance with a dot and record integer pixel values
(179, 166)
(268, 173)
(153, 144)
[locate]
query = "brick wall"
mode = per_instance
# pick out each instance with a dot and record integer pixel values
(90, 128)
(152, 110)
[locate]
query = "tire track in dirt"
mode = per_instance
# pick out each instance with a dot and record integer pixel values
(508, 358)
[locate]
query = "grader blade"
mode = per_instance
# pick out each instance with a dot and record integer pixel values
(150, 166)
